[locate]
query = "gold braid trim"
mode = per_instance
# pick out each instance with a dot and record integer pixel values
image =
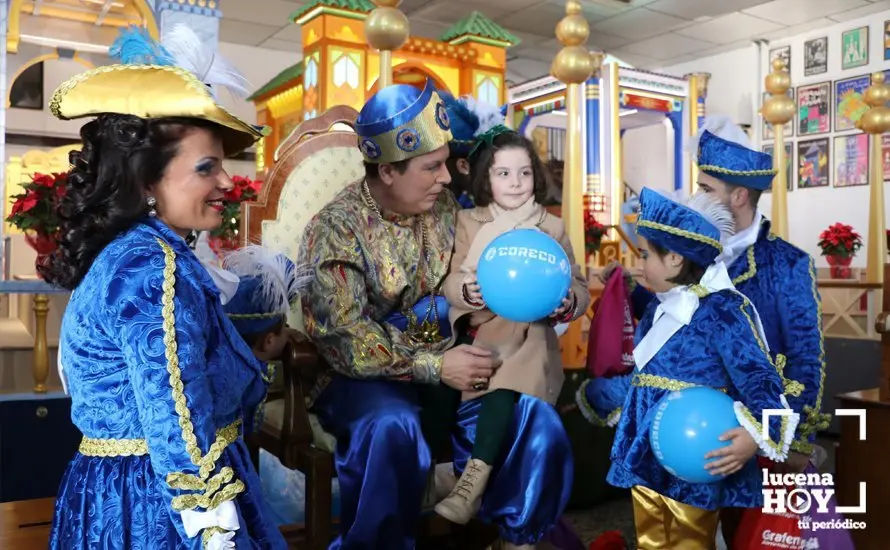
(587, 409)
(224, 436)
(752, 268)
(783, 429)
(113, 447)
(681, 233)
(731, 172)
(664, 383)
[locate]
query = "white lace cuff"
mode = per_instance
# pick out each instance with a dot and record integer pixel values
(221, 541)
(775, 450)
(224, 516)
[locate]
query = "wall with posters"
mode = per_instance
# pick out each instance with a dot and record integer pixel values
(830, 67)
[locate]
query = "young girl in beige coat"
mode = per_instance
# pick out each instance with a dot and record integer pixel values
(509, 180)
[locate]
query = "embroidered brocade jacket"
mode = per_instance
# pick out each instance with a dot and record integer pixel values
(365, 271)
(780, 280)
(153, 366)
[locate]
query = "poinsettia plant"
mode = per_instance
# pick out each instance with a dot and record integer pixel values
(593, 233)
(244, 190)
(35, 210)
(840, 240)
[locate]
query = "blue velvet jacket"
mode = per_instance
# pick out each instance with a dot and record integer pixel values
(150, 357)
(720, 349)
(780, 280)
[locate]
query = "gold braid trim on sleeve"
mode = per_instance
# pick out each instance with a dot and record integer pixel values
(206, 463)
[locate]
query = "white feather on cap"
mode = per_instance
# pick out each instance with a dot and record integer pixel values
(714, 211)
(210, 68)
(281, 281)
(723, 127)
(489, 115)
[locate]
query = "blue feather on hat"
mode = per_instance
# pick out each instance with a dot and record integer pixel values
(135, 46)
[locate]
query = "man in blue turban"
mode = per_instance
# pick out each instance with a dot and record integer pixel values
(381, 249)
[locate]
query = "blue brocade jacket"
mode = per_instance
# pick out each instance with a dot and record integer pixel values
(719, 349)
(780, 280)
(153, 366)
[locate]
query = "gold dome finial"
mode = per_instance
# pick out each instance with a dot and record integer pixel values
(386, 28)
(876, 120)
(573, 64)
(779, 108)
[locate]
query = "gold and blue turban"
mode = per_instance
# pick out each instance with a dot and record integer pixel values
(733, 163)
(678, 228)
(402, 122)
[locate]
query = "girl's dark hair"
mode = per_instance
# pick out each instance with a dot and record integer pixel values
(484, 159)
(690, 272)
(122, 157)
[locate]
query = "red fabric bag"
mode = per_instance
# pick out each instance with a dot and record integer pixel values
(610, 344)
(759, 530)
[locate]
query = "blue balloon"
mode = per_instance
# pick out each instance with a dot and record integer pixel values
(524, 275)
(687, 425)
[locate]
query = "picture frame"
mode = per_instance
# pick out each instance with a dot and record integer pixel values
(849, 101)
(769, 149)
(886, 40)
(814, 109)
(885, 156)
(815, 60)
(854, 48)
(813, 163)
(850, 160)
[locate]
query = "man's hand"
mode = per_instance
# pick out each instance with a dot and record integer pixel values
(607, 272)
(795, 464)
(468, 368)
(731, 458)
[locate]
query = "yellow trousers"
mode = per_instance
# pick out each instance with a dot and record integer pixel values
(665, 524)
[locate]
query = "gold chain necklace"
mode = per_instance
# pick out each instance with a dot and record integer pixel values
(425, 331)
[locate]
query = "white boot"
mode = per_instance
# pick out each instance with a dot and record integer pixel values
(464, 501)
(445, 480)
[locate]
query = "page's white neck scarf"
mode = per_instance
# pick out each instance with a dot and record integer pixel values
(735, 246)
(676, 309)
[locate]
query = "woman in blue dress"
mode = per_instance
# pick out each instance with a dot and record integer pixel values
(162, 385)
(700, 332)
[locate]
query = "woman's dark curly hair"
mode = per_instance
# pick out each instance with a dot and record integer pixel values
(122, 157)
(483, 160)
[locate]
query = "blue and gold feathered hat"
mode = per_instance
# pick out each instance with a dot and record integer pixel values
(723, 151)
(402, 122)
(470, 119)
(269, 284)
(678, 228)
(175, 78)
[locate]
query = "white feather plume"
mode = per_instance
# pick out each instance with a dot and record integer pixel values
(715, 212)
(207, 65)
(281, 281)
(721, 126)
(489, 115)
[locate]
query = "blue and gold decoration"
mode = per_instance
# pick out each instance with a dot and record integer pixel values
(174, 78)
(678, 228)
(269, 284)
(733, 163)
(401, 122)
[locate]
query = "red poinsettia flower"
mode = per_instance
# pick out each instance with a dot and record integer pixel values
(840, 240)
(244, 190)
(34, 210)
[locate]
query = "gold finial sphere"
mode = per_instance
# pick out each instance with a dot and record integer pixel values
(778, 109)
(386, 29)
(573, 30)
(878, 94)
(875, 121)
(388, 3)
(779, 65)
(573, 7)
(777, 83)
(572, 65)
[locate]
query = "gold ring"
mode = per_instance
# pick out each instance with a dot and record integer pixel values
(480, 384)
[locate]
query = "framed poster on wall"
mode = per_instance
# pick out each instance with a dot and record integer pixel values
(885, 154)
(814, 109)
(854, 48)
(813, 167)
(815, 56)
(789, 162)
(849, 102)
(886, 40)
(851, 160)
